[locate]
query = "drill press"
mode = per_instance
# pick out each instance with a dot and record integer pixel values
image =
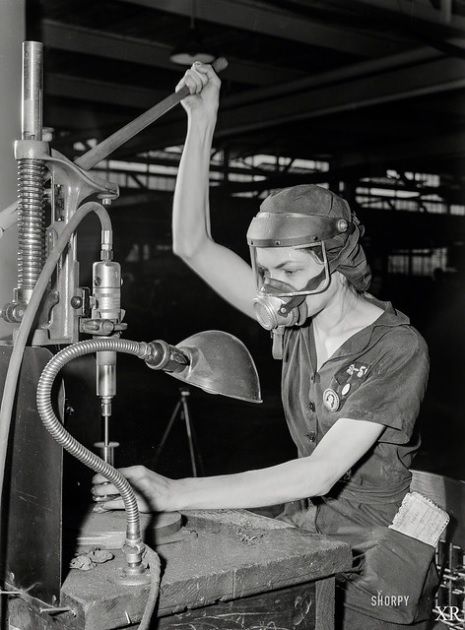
(50, 309)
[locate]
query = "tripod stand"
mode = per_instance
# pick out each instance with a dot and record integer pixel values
(182, 409)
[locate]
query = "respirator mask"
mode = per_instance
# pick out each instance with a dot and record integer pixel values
(280, 304)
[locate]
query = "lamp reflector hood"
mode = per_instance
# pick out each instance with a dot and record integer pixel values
(219, 363)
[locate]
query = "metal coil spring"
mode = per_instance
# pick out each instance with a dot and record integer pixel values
(66, 440)
(31, 221)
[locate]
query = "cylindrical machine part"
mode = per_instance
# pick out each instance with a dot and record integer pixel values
(32, 91)
(106, 281)
(31, 174)
(106, 375)
(31, 226)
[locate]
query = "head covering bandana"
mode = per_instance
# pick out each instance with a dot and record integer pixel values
(350, 259)
(344, 251)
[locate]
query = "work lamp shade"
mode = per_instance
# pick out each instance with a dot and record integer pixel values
(219, 363)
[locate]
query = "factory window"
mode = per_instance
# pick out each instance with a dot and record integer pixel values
(418, 262)
(407, 191)
(157, 170)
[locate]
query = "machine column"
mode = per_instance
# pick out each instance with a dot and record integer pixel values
(12, 33)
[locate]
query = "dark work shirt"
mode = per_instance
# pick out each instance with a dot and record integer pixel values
(377, 375)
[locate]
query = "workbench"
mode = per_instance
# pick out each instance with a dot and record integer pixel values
(224, 569)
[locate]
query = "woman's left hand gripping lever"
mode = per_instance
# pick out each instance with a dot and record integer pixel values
(154, 492)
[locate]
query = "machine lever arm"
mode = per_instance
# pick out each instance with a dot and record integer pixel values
(8, 216)
(120, 137)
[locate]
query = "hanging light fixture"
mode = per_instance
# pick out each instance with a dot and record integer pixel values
(191, 47)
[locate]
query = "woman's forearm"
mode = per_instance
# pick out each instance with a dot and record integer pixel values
(292, 480)
(296, 479)
(191, 220)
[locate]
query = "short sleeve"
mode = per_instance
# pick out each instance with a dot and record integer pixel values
(394, 389)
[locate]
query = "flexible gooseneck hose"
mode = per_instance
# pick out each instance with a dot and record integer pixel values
(67, 441)
(155, 574)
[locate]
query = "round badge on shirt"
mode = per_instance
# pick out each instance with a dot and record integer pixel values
(346, 389)
(331, 400)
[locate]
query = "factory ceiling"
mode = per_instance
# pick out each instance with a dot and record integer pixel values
(365, 85)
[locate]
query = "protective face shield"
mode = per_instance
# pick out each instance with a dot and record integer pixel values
(278, 303)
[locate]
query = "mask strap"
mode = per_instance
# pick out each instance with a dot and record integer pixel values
(298, 299)
(278, 342)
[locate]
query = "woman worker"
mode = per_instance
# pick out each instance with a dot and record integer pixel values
(354, 372)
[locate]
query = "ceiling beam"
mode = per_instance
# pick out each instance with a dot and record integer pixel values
(266, 19)
(343, 73)
(419, 12)
(444, 145)
(268, 93)
(435, 76)
(96, 91)
(78, 39)
(82, 122)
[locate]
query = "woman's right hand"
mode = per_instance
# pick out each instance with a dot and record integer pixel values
(204, 86)
(154, 493)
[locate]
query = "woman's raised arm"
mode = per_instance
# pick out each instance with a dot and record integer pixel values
(226, 272)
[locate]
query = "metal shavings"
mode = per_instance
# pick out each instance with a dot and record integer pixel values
(99, 556)
(90, 559)
(82, 562)
(248, 539)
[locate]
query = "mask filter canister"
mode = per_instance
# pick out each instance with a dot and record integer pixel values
(273, 311)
